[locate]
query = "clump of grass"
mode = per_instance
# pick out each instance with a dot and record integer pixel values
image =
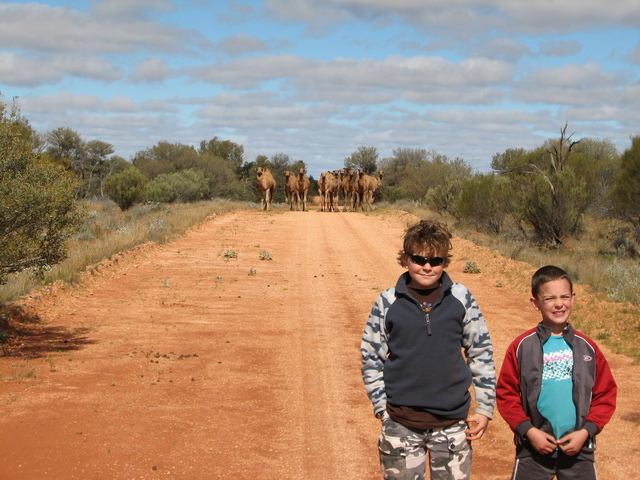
(625, 282)
(264, 255)
(25, 374)
(230, 254)
(471, 267)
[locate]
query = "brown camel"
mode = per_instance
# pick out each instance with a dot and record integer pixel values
(346, 185)
(325, 185)
(291, 189)
(302, 188)
(365, 187)
(335, 190)
(266, 187)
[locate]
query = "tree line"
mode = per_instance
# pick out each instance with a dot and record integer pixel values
(544, 193)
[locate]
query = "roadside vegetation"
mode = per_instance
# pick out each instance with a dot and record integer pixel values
(67, 203)
(108, 231)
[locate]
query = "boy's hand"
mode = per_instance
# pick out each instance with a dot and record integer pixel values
(477, 425)
(573, 442)
(541, 441)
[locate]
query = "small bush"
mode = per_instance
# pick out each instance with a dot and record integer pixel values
(126, 188)
(264, 255)
(471, 267)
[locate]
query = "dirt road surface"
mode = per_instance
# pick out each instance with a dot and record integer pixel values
(201, 360)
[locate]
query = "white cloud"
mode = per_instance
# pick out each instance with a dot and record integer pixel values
(635, 55)
(465, 17)
(570, 85)
(421, 79)
(64, 103)
(126, 9)
(34, 71)
(560, 48)
(62, 29)
(503, 48)
(151, 70)
(242, 43)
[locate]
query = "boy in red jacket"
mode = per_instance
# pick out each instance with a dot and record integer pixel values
(555, 389)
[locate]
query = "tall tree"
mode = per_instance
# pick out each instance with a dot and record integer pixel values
(225, 149)
(438, 170)
(165, 157)
(555, 198)
(97, 153)
(65, 146)
(38, 209)
(365, 158)
(403, 162)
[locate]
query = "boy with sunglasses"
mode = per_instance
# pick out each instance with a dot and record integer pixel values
(413, 368)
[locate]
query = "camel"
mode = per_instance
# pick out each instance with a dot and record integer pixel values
(346, 185)
(325, 185)
(291, 189)
(302, 188)
(365, 186)
(335, 190)
(266, 187)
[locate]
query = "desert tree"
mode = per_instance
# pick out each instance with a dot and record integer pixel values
(552, 196)
(225, 149)
(365, 158)
(483, 201)
(38, 207)
(436, 171)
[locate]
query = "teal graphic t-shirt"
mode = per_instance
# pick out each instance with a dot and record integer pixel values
(556, 396)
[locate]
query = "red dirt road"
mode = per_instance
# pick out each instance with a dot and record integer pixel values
(183, 362)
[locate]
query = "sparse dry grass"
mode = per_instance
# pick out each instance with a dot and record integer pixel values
(107, 231)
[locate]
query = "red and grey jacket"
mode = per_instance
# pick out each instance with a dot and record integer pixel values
(520, 380)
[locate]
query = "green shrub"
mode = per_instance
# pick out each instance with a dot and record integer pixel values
(38, 209)
(184, 186)
(553, 206)
(126, 188)
(483, 202)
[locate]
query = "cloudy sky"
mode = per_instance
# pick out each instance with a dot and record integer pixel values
(317, 79)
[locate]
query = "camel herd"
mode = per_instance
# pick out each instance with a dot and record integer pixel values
(296, 188)
(357, 190)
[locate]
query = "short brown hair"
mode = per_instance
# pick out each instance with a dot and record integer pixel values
(546, 274)
(426, 236)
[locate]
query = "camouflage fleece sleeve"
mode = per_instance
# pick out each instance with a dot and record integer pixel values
(374, 351)
(479, 351)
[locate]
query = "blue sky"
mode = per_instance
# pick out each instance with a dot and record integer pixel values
(318, 79)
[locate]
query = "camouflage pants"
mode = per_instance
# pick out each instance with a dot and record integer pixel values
(403, 452)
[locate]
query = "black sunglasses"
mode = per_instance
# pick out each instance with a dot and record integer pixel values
(422, 261)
